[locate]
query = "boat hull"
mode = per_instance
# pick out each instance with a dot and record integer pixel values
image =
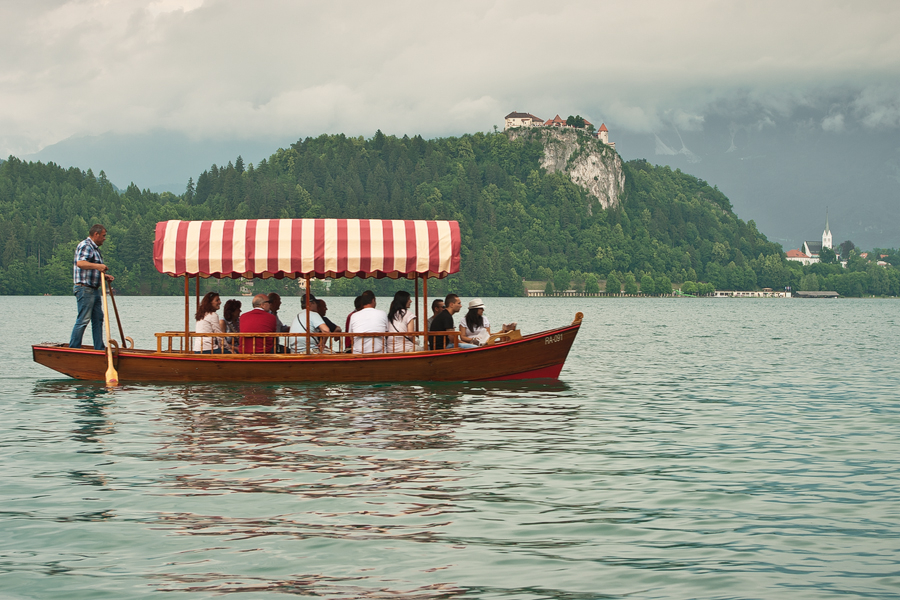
(538, 356)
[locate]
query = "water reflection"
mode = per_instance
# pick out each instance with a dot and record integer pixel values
(336, 468)
(330, 431)
(312, 471)
(92, 402)
(315, 585)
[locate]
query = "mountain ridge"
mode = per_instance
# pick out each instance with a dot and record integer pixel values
(519, 219)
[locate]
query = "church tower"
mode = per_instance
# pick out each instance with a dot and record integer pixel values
(826, 235)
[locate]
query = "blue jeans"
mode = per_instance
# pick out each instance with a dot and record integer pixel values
(90, 308)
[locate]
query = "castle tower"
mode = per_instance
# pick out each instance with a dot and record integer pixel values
(826, 235)
(603, 133)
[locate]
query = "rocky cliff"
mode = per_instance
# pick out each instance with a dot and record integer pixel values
(589, 163)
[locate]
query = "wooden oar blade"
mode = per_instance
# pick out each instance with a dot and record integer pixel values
(112, 376)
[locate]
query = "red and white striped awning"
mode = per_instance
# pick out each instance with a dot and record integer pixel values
(299, 247)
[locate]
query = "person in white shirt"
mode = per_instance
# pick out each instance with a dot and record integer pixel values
(368, 320)
(208, 321)
(316, 324)
(475, 327)
(401, 320)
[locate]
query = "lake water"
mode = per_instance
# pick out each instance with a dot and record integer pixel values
(691, 449)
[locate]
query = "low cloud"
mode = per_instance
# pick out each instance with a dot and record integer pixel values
(878, 106)
(833, 123)
(685, 121)
(214, 68)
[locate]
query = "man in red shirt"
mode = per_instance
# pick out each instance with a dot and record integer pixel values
(258, 320)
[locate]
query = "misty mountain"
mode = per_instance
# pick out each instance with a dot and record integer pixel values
(783, 174)
(161, 161)
(780, 172)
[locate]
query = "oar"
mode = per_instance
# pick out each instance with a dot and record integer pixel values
(118, 320)
(112, 377)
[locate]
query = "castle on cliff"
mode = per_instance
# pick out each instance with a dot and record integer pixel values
(521, 119)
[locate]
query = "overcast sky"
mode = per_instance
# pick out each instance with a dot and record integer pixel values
(238, 70)
(229, 68)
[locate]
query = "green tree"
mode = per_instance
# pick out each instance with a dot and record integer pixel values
(648, 287)
(689, 287)
(809, 283)
(827, 256)
(846, 247)
(591, 285)
(548, 290)
(562, 280)
(662, 286)
(578, 281)
(630, 284)
(613, 285)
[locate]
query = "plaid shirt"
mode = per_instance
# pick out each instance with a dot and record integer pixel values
(87, 250)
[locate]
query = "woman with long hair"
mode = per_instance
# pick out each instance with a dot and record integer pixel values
(231, 316)
(208, 322)
(401, 320)
(475, 327)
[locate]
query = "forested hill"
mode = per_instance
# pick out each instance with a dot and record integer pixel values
(517, 221)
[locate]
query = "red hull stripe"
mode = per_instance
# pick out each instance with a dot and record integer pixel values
(551, 372)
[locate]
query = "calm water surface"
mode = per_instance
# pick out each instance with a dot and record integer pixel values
(691, 449)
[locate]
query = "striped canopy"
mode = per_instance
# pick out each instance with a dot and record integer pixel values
(263, 248)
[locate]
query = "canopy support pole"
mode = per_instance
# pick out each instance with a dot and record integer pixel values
(417, 302)
(425, 301)
(307, 315)
(187, 311)
(197, 291)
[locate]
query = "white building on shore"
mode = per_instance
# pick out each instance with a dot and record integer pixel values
(810, 251)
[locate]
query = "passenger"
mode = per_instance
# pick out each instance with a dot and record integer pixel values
(316, 324)
(401, 320)
(322, 308)
(258, 320)
(443, 321)
(333, 327)
(368, 320)
(231, 315)
(357, 306)
(475, 327)
(207, 321)
(437, 307)
(274, 306)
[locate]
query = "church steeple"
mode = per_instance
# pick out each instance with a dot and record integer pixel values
(826, 235)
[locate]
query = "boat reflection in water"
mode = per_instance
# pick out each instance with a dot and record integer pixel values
(303, 479)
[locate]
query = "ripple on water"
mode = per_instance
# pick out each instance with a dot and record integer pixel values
(692, 450)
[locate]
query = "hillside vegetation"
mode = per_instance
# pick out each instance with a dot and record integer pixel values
(517, 221)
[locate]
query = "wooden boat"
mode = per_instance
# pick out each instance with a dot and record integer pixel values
(312, 248)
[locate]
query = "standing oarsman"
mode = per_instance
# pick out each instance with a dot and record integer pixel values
(88, 269)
